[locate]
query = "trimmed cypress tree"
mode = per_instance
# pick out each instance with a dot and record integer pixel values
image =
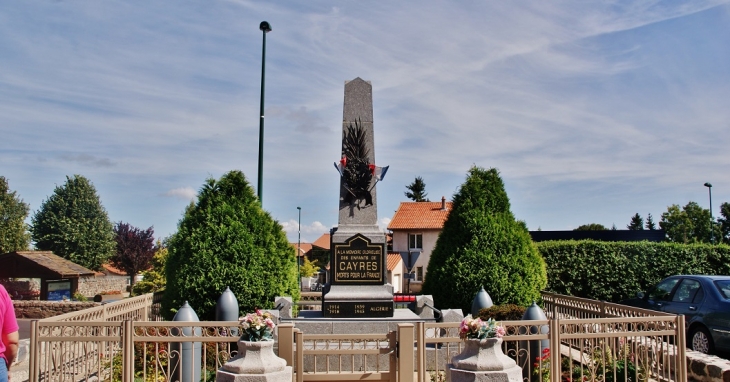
(74, 225)
(482, 244)
(227, 240)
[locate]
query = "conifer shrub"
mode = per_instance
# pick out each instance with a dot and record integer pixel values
(227, 240)
(482, 244)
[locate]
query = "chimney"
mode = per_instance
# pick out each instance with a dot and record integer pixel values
(443, 203)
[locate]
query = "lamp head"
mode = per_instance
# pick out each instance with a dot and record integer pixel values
(299, 208)
(708, 185)
(264, 26)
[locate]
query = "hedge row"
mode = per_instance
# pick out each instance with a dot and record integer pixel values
(613, 271)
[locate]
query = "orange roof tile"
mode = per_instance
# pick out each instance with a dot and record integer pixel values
(304, 248)
(323, 241)
(420, 215)
(394, 260)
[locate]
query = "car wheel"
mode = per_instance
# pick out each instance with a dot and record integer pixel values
(700, 340)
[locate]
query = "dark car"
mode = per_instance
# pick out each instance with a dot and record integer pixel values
(703, 300)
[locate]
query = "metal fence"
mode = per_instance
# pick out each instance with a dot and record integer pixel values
(128, 348)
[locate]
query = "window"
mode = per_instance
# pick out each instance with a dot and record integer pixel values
(415, 241)
(724, 287)
(686, 291)
(419, 273)
(662, 291)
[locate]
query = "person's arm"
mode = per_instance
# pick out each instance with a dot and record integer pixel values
(11, 346)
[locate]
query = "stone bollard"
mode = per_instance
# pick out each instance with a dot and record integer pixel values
(189, 353)
(481, 301)
(422, 310)
(284, 306)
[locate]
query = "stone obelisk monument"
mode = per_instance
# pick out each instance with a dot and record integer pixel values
(358, 286)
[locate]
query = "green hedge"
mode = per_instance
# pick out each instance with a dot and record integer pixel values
(613, 271)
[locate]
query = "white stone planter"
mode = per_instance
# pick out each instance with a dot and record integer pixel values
(483, 360)
(255, 362)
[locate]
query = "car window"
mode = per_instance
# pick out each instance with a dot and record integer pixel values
(686, 291)
(699, 296)
(662, 290)
(724, 287)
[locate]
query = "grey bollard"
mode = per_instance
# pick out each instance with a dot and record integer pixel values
(189, 353)
(534, 348)
(481, 301)
(226, 309)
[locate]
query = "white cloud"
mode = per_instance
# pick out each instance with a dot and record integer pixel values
(185, 193)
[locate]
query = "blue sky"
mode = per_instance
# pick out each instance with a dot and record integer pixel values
(592, 111)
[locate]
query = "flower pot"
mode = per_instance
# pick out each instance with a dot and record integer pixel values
(482, 355)
(255, 358)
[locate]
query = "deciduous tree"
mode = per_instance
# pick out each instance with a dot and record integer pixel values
(591, 227)
(74, 225)
(689, 224)
(724, 222)
(153, 279)
(135, 249)
(636, 224)
(227, 240)
(14, 234)
(417, 190)
(482, 244)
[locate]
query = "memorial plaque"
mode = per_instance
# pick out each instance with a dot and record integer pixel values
(359, 262)
(360, 309)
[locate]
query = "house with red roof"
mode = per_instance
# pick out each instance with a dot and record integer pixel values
(416, 227)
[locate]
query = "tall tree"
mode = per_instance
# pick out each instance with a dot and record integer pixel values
(74, 225)
(227, 240)
(135, 249)
(724, 222)
(650, 225)
(637, 223)
(417, 190)
(14, 234)
(689, 224)
(591, 227)
(482, 244)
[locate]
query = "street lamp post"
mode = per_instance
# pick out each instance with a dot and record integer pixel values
(266, 28)
(299, 245)
(712, 220)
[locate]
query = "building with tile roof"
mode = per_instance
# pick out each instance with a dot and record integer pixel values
(395, 271)
(416, 227)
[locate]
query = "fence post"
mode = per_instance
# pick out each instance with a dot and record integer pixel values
(35, 353)
(555, 374)
(393, 359)
(299, 339)
(405, 352)
(127, 352)
(286, 343)
(681, 349)
(421, 350)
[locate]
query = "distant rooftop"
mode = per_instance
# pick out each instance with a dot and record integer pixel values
(420, 215)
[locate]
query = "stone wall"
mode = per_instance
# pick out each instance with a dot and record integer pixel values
(707, 368)
(45, 309)
(92, 285)
(28, 289)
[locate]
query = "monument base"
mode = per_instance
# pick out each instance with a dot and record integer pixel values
(513, 374)
(358, 301)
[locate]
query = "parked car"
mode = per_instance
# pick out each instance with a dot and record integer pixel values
(703, 300)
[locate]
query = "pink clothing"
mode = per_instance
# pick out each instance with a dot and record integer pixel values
(8, 323)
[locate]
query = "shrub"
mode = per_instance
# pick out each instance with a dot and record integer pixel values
(482, 244)
(614, 271)
(227, 240)
(507, 312)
